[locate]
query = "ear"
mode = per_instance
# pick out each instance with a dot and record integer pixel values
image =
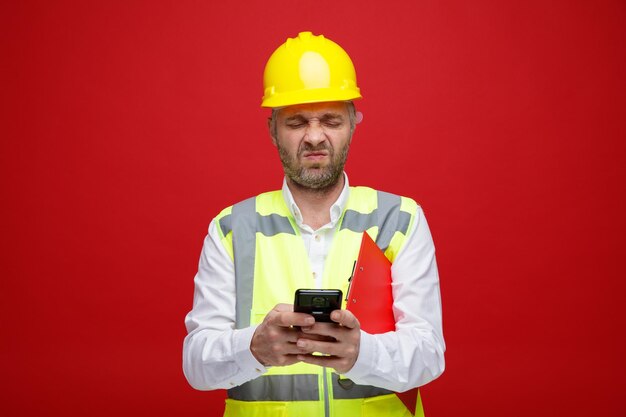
(269, 128)
(352, 130)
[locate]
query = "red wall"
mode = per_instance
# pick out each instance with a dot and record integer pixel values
(126, 126)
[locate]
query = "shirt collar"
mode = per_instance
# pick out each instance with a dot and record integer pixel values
(335, 210)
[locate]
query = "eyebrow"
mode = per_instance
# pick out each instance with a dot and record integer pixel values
(325, 117)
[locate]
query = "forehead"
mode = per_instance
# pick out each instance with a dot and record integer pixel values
(315, 109)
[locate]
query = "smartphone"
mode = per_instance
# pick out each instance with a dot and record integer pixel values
(318, 303)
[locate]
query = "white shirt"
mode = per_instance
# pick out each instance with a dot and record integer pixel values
(216, 355)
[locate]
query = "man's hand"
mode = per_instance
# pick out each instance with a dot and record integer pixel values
(274, 341)
(343, 351)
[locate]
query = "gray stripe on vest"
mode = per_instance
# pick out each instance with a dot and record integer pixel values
(278, 388)
(274, 224)
(388, 213)
(348, 390)
(387, 216)
(403, 222)
(244, 247)
(300, 388)
(226, 224)
(268, 225)
(326, 394)
(358, 222)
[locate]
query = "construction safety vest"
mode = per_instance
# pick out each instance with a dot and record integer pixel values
(262, 238)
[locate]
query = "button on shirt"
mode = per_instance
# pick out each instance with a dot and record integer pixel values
(216, 355)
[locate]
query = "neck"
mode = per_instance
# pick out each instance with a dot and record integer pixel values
(314, 204)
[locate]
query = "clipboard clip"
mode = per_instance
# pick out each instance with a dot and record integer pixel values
(350, 282)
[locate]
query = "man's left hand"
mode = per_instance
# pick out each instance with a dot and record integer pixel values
(340, 354)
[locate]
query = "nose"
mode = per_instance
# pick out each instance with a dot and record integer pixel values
(315, 133)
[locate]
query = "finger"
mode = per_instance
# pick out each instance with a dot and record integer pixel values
(345, 318)
(283, 307)
(290, 319)
(323, 330)
(317, 359)
(290, 335)
(340, 365)
(285, 360)
(326, 348)
(292, 349)
(313, 336)
(284, 316)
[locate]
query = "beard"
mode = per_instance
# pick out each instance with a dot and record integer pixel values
(316, 176)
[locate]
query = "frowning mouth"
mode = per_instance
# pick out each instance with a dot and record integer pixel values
(316, 155)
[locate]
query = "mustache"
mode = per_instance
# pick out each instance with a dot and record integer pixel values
(307, 147)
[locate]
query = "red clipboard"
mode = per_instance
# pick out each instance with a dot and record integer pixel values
(370, 299)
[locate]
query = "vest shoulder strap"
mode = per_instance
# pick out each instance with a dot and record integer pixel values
(366, 208)
(390, 213)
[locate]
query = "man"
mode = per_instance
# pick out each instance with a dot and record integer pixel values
(243, 333)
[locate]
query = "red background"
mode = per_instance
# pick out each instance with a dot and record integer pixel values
(126, 126)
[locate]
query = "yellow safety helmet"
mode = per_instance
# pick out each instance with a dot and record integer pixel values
(308, 69)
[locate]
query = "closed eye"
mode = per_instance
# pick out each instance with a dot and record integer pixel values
(333, 123)
(296, 122)
(332, 120)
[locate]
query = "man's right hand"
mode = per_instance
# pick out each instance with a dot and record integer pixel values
(274, 341)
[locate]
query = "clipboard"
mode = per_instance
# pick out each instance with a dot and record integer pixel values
(370, 299)
(369, 294)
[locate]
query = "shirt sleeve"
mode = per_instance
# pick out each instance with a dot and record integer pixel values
(215, 354)
(413, 355)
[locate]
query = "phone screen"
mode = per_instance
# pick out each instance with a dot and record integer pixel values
(318, 303)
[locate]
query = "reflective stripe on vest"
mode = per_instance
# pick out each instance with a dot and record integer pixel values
(300, 388)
